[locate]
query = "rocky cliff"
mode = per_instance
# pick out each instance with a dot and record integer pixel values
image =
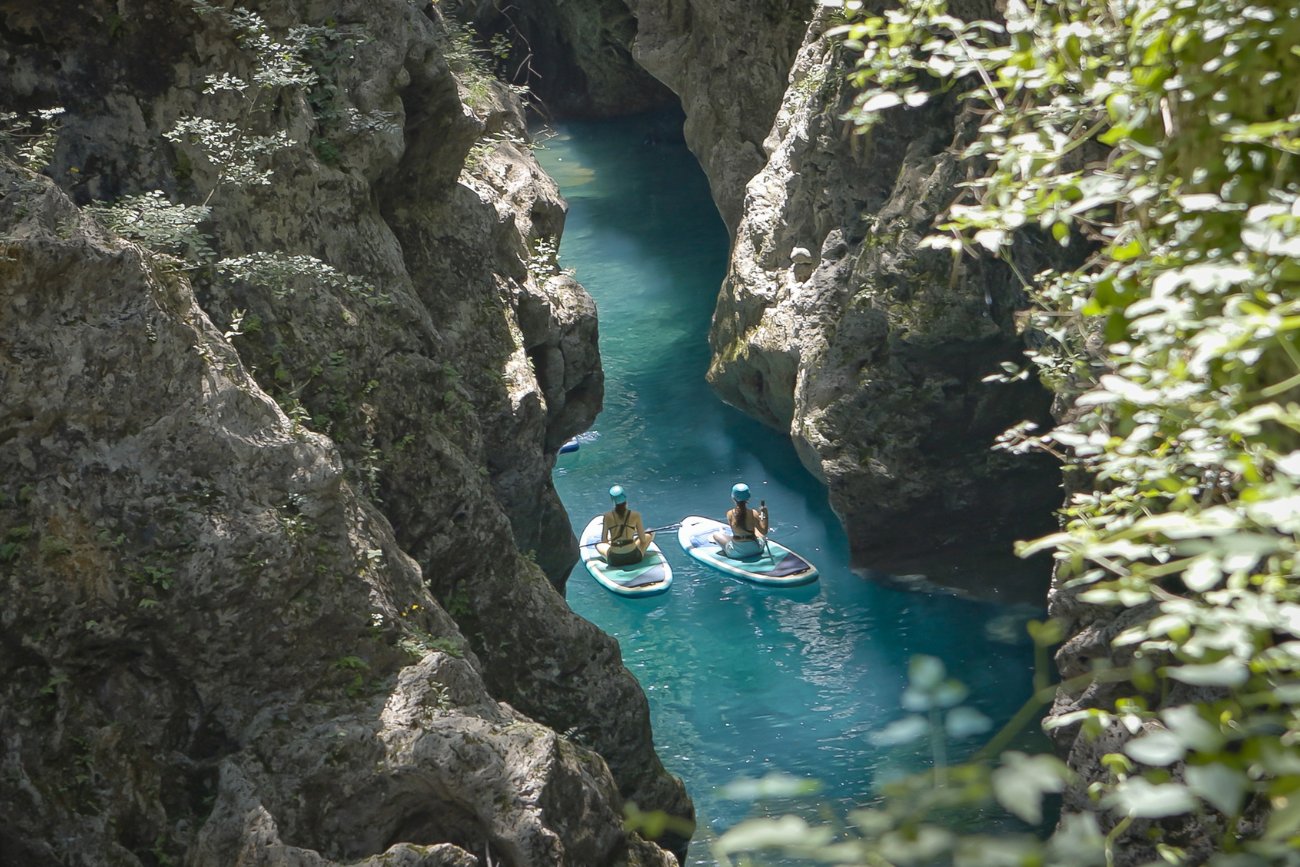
(275, 558)
(831, 324)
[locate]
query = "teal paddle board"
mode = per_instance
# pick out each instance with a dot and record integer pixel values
(777, 566)
(650, 576)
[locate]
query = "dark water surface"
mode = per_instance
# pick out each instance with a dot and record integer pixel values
(743, 681)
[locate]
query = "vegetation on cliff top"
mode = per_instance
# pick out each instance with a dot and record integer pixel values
(1162, 134)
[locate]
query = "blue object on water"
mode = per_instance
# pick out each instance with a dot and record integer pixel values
(569, 446)
(649, 577)
(776, 566)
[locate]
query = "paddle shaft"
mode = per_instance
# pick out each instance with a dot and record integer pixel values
(651, 530)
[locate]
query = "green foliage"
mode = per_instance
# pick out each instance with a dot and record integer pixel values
(345, 663)
(913, 817)
(475, 66)
(242, 157)
(237, 154)
(418, 641)
(29, 139)
(485, 146)
(1160, 135)
(469, 63)
(282, 274)
(544, 260)
(155, 222)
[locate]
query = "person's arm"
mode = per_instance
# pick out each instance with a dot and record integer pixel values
(762, 518)
(604, 528)
(637, 525)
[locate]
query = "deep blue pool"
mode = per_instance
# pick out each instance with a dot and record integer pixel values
(743, 681)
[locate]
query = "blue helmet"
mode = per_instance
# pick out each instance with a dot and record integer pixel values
(740, 492)
(616, 494)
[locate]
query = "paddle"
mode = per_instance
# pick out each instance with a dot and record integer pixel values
(762, 504)
(651, 530)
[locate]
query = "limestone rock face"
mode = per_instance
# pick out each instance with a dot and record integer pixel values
(260, 544)
(728, 61)
(832, 324)
(575, 57)
(212, 643)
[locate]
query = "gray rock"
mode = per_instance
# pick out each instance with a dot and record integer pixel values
(575, 57)
(728, 61)
(208, 602)
(872, 352)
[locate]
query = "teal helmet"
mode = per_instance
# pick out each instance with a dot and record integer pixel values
(740, 492)
(617, 495)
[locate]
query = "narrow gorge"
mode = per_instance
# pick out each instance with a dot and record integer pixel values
(288, 353)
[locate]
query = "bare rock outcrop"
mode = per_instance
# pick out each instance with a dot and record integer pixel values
(212, 644)
(832, 324)
(222, 506)
(725, 61)
(575, 58)
(728, 61)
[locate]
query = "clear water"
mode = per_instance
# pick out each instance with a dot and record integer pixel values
(743, 681)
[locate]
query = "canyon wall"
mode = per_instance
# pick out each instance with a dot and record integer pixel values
(280, 560)
(831, 323)
(873, 353)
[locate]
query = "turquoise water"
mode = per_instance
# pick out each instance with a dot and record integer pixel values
(743, 681)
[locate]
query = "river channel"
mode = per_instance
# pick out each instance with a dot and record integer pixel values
(743, 681)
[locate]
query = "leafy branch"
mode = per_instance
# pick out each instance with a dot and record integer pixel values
(238, 156)
(1161, 136)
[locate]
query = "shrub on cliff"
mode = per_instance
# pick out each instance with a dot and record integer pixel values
(1163, 134)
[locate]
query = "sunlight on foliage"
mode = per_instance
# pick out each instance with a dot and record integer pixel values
(282, 274)
(1158, 137)
(913, 819)
(29, 139)
(239, 156)
(152, 220)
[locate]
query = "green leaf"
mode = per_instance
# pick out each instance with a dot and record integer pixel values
(1158, 748)
(775, 785)
(923, 845)
(1021, 782)
(925, 672)
(1192, 728)
(1046, 633)
(758, 834)
(1127, 251)
(1220, 786)
(991, 239)
(905, 730)
(1228, 671)
(1078, 841)
(1142, 799)
(1202, 574)
(965, 722)
(880, 101)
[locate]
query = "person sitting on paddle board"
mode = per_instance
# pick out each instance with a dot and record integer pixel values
(623, 538)
(748, 527)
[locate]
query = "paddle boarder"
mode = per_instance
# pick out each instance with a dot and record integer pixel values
(623, 538)
(748, 526)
